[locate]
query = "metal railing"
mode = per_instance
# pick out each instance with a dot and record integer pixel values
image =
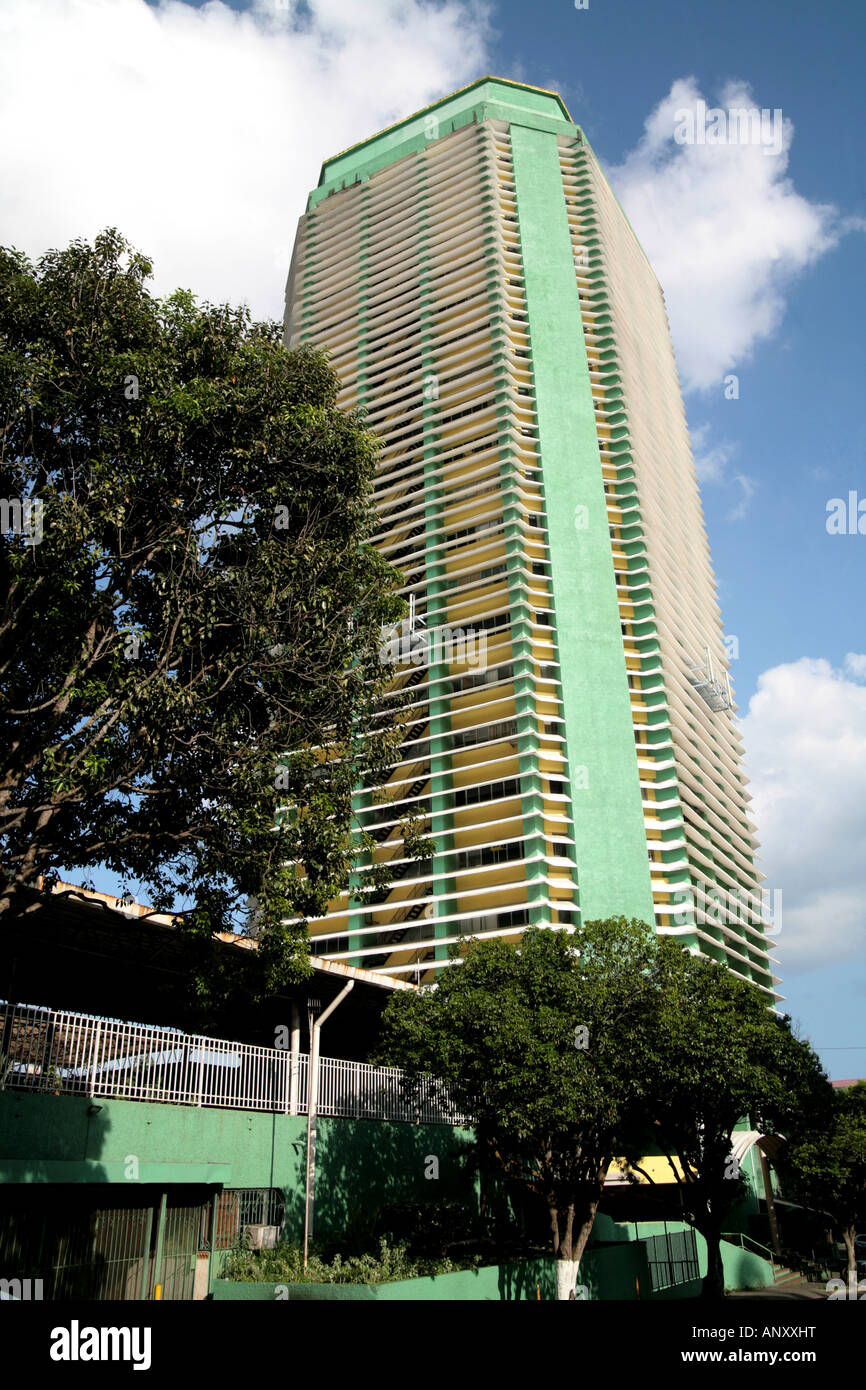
(78, 1054)
(751, 1246)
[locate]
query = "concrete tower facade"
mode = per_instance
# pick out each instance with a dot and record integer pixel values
(573, 746)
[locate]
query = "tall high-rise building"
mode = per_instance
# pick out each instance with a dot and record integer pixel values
(572, 745)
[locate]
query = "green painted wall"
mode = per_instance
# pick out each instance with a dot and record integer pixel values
(607, 1274)
(495, 1283)
(361, 1164)
(612, 863)
(743, 1269)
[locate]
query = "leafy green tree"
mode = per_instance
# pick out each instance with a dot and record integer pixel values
(538, 1045)
(191, 613)
(825, 1166)
(718, 1055)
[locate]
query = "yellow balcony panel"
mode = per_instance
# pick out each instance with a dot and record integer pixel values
(543, 652)
(657, 1168)
(331, 927)
(473, 824)
(496, 765)
(459, 705)
(550, 765)
(501, 708)
(494, 901)
(462, 612)
(493, 552)
(492, 877)
(556, 830)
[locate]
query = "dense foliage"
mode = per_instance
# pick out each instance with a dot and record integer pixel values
(285, 1265)
(718, 1057)
(573, 1053)
(539, 1046)
(190, 611)
(825, 1166)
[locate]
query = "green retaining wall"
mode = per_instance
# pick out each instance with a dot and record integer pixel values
(742, 1268)
(610, 1273)
(495, 1283)
(361, 1165)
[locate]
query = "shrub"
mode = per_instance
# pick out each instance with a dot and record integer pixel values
(285, 1265)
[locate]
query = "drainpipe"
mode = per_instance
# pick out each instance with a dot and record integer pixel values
(294, 1060)
(312, 1106)
(211, 1264)
(145, 1256)
(160, 1245)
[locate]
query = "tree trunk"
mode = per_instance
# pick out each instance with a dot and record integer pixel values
(566, 1278)
(848, 1236)
(713, 1286)
(568, 1248)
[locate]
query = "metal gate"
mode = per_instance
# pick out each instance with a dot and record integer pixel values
(108, 1252)
(672, 1257)
(173, 1267)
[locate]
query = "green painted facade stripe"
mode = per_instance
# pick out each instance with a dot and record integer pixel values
(624, 490)
(612, 862)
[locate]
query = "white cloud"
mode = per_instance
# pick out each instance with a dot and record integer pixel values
(724, 229)
(711, 460)
(199, 132)
(805, 738)
(711, 463)
(747, 488)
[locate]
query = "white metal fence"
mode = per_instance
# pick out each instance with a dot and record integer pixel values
(77, 1054)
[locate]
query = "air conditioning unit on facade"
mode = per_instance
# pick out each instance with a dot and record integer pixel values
(260, 1237)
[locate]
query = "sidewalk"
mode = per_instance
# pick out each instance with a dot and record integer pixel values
(797, 1289)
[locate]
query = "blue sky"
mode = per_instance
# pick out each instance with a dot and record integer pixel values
(199, 129)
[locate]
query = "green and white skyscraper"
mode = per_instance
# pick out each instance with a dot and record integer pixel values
(573, 745)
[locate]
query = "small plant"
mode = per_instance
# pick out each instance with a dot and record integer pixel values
(52, 1080)
(285, 1265)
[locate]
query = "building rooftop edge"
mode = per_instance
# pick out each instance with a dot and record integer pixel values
(423, 111)
(132, 910)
